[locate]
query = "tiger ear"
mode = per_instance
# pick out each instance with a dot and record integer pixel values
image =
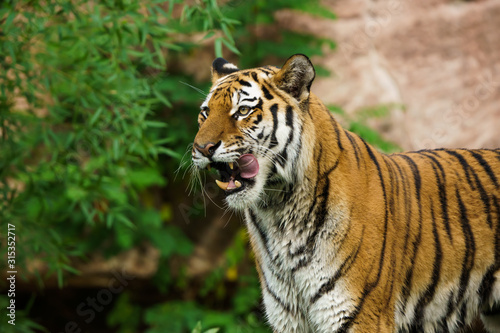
(221, 67)
(296, 76)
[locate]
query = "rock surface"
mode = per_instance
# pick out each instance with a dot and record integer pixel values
(439, 59)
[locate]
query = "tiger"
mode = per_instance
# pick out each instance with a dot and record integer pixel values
(347, 238)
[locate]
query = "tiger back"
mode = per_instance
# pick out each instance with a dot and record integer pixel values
(348, 239)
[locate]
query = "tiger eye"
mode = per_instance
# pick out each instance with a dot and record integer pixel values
(243, 110)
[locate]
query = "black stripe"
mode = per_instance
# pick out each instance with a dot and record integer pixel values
(441, 183)
(287, 193)
(483, 195)
(274, 112)
(470, 249)
(278, 300)
(249, 99)
(428, 295)
(313, 204)
(407, 205)
(283, 157)
(342, 270)
(407, 218)
(289, 123)
(303, 262)
(244, 83)
(395, 185)
(255, 77)
(266, 92)
(262, 234)
(319, 221)
(354, 146)
(485, 166)
(258, 119)
(395, 215)
(463, 311)
(258, 106)
(298, 150)
(451, 307)
(486, 286)
(300, 250)
(408, 282)
(416, 175)
(336, 129)
(322, 210)
(273, 171)
(266, 70)
(370, 286)
(442, 324)
(289, 116)
(496, 203)
(465, 166)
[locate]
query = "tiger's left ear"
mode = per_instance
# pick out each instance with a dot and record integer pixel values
(221, 67)
(296, 76)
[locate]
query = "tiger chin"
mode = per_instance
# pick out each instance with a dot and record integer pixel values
(348, 239)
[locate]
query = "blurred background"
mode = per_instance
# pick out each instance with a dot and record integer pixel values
(98, 106)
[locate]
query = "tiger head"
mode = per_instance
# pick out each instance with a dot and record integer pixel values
(250, 125)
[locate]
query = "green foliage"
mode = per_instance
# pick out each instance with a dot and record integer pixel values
(197, 329)
(125, 315)
(255, 49)
(358, 123)
(81, 139)
(181, 316)
(22, 323)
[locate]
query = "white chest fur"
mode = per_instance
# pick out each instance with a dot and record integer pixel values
(297, 255)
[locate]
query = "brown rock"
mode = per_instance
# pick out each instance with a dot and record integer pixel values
(440, 59)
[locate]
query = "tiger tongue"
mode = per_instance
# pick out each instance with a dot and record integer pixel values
(248, 165)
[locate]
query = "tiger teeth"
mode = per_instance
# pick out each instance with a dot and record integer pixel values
(231, 165)
(222, 185)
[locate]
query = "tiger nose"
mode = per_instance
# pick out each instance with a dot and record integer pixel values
(208, 150)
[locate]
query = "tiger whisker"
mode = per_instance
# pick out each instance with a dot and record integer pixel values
(227, 209)
(183, 162)
(195, 88)
(275, 190)
(275, 154)
(210, 198)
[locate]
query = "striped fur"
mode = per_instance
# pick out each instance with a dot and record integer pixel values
(348, 239)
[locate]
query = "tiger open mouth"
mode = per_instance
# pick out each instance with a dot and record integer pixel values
(235, 176)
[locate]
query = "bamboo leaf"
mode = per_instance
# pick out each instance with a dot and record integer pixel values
(218, 48)
(231, 47)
